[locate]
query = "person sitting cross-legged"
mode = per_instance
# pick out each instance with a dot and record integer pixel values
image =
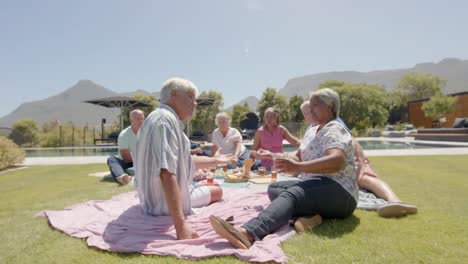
(126, 144)
(327, 190)
(228, 140)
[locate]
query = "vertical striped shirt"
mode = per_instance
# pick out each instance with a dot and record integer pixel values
(162, 144)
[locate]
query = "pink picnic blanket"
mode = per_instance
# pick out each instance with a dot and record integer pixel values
(119, 225)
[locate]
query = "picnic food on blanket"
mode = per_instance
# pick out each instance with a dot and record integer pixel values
(236, 177)
(261, 180)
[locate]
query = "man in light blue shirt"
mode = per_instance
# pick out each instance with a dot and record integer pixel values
(126, 145)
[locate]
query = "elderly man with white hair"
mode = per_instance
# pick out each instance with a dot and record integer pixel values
(164, 167)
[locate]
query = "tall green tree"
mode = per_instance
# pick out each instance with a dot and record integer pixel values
(267, 100)
(271, 99)
(29, 133)
(419, 85)
(204, 119)
(295, 113)
(362, 105)
(238, 112)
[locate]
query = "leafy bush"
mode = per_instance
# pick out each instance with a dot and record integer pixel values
(28, 135)
(10, 153)
(439, 105)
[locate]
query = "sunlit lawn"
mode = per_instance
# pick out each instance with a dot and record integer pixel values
(438, 185)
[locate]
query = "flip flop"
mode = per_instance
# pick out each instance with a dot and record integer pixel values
(396, 210)
(227, 231)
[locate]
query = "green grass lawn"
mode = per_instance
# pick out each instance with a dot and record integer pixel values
(438, 185)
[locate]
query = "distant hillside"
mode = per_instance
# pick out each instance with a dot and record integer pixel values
(67, 106)
(454, 70)
(252, 102)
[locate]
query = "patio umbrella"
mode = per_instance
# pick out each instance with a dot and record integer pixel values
(121, 102)
(205, 101)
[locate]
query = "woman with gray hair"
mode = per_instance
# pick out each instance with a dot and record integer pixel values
(228, 140)
(328, 188)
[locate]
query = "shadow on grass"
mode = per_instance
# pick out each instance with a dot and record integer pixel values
(107, 179)
(334, 228)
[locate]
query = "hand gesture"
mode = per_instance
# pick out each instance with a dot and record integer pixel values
(286, 165)
(225, 159)
(264, 154)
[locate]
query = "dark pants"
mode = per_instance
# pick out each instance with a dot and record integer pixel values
(117, 166)
(194, 146)
(291, 199)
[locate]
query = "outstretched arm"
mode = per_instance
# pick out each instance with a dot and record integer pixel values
(289, 137)
(332, 161)
(203, 162)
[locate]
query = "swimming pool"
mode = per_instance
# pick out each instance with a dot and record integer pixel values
(108, 151)
(70, 152)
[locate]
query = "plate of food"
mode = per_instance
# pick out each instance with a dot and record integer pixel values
(235, 177)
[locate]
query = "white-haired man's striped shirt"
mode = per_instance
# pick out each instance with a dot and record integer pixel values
(162, 144)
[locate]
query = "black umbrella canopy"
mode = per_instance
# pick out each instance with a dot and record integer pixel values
(120, 102)
(201, 101)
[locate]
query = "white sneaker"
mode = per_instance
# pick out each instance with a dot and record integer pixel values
(124, 179)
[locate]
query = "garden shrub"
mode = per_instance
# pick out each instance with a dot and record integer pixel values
(10, 153)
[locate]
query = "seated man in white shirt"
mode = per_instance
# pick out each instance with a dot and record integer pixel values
(163, 164)
(126, 144)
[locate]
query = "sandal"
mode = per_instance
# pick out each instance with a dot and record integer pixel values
(229, 232)
(396, 210)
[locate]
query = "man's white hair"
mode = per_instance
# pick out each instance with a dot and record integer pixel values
(177, 84)
(222, 115)
(330, 98)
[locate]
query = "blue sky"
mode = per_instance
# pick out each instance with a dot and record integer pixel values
(235, 47)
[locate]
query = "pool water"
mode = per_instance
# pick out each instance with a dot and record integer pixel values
(67, 152)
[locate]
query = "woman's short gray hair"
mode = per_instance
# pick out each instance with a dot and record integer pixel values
(304, 104)
(177, 84)
(222, 115)
(330, 98)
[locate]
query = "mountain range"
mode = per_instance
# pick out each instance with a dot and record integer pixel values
(68, 106)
